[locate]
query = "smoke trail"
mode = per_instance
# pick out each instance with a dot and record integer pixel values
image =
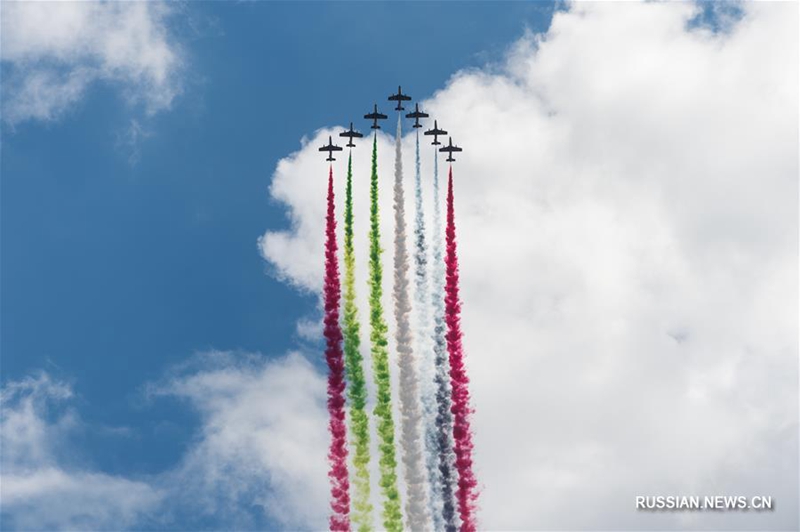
(357, 390)
(428, 391)
(340, 487)
(416, 504)
(392, 517)
(462, 434)
(444, 417)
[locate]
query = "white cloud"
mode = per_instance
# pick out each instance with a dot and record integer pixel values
(627, 209)
(38, 488)
(262, 444)
(54, 51)
(259, 452)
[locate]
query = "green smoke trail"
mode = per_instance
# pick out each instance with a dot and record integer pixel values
(357, 387)
(392, 517)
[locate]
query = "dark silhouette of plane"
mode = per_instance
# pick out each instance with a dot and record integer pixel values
(399, 98)
(416, 115)
(351, 134)
(450, 149)
(330, 148)
(375, 116)
(436, 132)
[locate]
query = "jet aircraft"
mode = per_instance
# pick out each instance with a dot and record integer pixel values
(330, 148)
(416, 115)
(450, 149)
(436, 132)
(350, 134)
(399, 98)
(375, 116)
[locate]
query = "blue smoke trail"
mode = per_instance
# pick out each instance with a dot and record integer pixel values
(444, 417)
(423, 347)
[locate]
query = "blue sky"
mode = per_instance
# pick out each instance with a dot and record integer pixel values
(119, 261)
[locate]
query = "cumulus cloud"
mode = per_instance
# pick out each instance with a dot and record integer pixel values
(627, 207)
(258, 458)
(39, 488)
(261, 449)
(52, 52)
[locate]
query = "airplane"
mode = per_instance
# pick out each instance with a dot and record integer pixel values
(375, 116)
(450, 149)
(416, 115)
(352, 134)
(330, 148)
(399, 98)
(436, 132)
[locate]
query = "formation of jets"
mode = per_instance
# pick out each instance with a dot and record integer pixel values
(375, 115)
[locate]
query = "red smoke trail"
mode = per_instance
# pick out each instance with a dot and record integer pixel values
(466, 493)
(340, 483)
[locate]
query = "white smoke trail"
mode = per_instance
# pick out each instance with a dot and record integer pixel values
(416, 501)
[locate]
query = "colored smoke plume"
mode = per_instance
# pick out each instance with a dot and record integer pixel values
(392, 516)
(337, 454)
(445, 483)
(354, 365)
(466, 493)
